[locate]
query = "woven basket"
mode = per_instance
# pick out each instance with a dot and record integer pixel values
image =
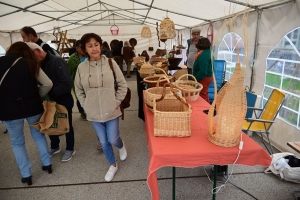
(151, 81)
(190, 89)
(146, 70)
(230, 109)
(172, 117)
(146, 32)
(156, 93)
(139, 59)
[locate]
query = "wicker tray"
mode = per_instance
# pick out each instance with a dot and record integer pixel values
(172, 117)
(156, 93)
(190, 89)
(151, 81)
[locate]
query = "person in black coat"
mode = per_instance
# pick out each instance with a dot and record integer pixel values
(20, 99)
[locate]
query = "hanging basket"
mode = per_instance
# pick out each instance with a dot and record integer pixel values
(114, 29)
(167, 29)
(146, 32)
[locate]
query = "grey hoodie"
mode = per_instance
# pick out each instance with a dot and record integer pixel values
(100, 104)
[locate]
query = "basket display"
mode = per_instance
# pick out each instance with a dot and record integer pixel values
(156, 92)
(172, 117)
(151, 81)
(146, 70)
(190, 89)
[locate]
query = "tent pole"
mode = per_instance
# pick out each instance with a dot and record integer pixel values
(256, 43)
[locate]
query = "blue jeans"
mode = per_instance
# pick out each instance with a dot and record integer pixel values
(16, 133)
(109, 134)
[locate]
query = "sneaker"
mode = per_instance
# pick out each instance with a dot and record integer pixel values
(111, 172)
(83, 116)
(54, 151)
(68, 155)
(123, 152)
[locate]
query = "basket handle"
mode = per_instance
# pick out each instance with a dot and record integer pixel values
(162, 77)
(176, 95)
(187, 75)
(161, 70)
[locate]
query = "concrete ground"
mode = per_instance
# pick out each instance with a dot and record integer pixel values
(83, 176)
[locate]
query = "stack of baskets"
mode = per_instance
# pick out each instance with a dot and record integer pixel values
(153, 80)
(156, 93)
(190, 89)
(172, 116)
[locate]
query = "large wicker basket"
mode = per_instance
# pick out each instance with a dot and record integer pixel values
(146, 70)
(156, 93)
(172, 117)
(151, 81)
(190, 89)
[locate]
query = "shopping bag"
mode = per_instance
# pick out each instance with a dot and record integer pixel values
(54, 120)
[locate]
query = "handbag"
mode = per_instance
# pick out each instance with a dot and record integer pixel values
(54, 120)
(126, 101)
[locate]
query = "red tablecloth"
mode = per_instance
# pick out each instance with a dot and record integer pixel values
(196, 150)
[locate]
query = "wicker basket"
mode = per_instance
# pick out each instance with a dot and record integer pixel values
(172, 117)
(156, 93)
(146, 70)
(190, 89)
(231, 109)
(151, 81)
(139, 59)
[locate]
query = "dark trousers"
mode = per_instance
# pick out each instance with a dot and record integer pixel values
(80, 108)
(119, 61)
(68, 103)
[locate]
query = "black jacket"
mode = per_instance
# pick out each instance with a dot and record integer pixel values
(57, 70)
(19, 95)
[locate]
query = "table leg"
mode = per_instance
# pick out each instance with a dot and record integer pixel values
(174, 183)
(215, 181)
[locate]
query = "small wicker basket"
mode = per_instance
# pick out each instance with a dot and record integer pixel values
(172, 117)
(156, 92)
(146, 70)
(139, 59)
(190, 89)
(152, 81)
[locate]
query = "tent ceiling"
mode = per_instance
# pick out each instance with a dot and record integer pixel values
(43, 15)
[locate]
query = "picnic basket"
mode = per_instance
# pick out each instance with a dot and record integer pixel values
(151, 81)
(156, 92)
(172, 117)
(190, 89)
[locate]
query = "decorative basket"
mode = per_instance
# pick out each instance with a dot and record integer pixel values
(190, 89)
(230, 109)
(139, 59)
(146, 32)
(172, 117)
(156, 93)
(146, 70)
(167, 29)
(160, 65)
(114, 29)
(152, 81)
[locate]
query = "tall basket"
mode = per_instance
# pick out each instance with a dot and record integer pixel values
(230, 112)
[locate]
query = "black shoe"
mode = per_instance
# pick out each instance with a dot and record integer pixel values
(27, 180)
(47, 168)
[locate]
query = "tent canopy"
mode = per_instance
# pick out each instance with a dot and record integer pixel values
(43, 15)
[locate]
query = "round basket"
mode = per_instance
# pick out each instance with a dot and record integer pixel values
(146, 70)
(190, 89)
(156, 92)
(139, 59)
(152, 81)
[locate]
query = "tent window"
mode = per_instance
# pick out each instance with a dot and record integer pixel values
(232, 45)
(283, 72)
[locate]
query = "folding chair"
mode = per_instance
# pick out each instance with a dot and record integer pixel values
(263, 121)
(219, 71)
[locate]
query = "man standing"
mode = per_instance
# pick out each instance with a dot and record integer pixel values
(57, 70)
(192, 50)
(29, 35)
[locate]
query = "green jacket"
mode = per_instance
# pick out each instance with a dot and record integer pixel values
(203, 66)
(73, 63)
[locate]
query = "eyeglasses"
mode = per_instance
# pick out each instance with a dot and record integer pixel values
(90, 76)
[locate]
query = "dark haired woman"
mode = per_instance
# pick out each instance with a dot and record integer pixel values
(20, 99)
(95, 89)
(202, 68)
(105, 50)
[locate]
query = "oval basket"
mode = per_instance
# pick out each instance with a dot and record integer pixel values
(156, 93)
(145, 70)
(152, 81)
(190, 89)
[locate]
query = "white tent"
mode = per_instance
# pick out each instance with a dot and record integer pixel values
(269, 21)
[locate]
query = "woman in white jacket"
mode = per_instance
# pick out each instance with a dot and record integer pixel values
(95, 89)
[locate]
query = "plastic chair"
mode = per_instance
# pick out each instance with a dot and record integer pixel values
(219, 70)
(263, 122)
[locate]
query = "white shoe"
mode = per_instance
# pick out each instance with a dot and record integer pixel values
(123, 152)
(111, 172)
